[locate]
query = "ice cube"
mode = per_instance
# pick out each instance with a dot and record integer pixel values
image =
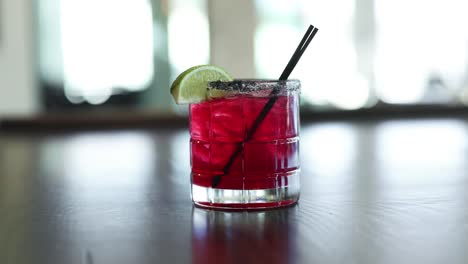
(200, 121)
(268, 128)
(227, 121)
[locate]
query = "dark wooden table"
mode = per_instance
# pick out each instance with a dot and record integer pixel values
(372, 192)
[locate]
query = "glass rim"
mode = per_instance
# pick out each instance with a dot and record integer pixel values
(255, 85)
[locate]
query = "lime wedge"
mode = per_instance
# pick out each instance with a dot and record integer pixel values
(191, 85)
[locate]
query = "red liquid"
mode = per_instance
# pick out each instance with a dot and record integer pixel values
(217, 127)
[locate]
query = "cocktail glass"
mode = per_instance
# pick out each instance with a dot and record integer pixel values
(241, 161)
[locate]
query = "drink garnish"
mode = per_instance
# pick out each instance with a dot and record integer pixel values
(191, 85)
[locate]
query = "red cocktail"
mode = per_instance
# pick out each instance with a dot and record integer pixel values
(239, 161)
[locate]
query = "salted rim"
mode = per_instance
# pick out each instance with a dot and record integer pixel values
(253, 85)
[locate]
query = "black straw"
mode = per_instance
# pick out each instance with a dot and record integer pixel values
(308, 36)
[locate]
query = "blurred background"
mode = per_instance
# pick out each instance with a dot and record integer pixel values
(60, 56)
(389, 191)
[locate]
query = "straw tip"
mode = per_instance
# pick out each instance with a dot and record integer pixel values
(215, 181)
(308, 36)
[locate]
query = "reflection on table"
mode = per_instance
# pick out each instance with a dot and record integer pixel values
(372, 192)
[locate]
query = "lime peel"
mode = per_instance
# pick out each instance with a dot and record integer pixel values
(191, 85)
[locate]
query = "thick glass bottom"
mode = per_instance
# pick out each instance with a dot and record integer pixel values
(280, 196)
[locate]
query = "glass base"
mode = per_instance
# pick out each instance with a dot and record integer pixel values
(247, 199)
